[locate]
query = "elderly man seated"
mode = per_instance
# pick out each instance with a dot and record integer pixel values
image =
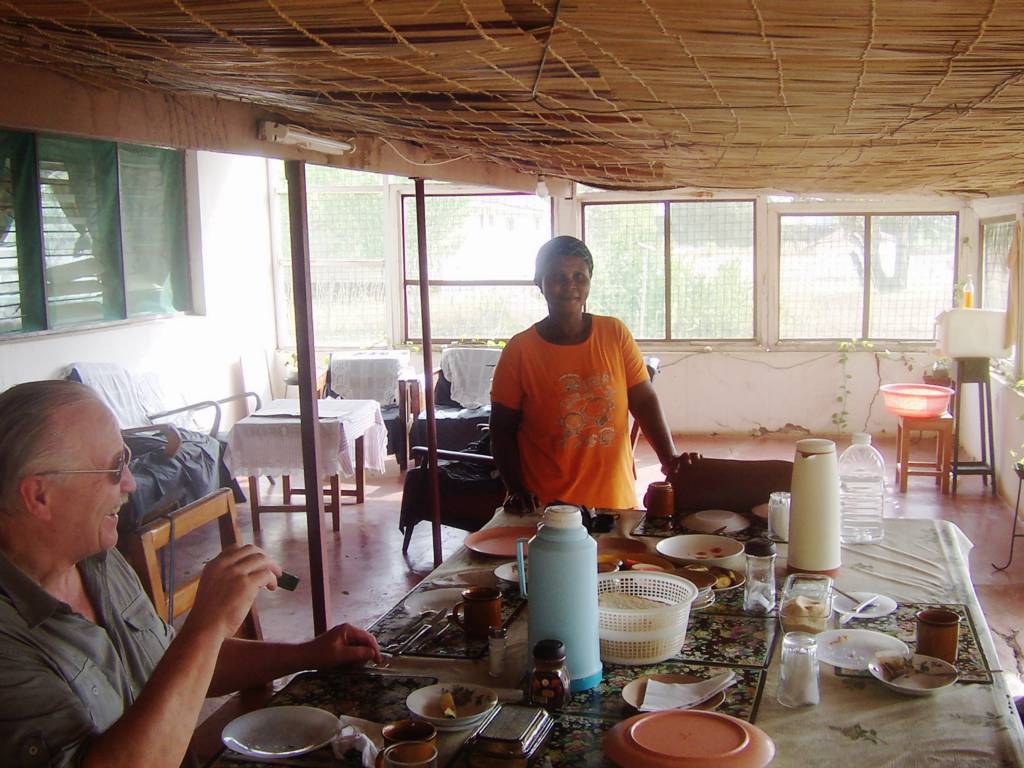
(90, 675)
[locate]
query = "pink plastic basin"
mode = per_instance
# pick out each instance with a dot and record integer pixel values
(916, 401)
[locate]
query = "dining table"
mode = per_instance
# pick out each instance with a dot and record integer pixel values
(858, 722)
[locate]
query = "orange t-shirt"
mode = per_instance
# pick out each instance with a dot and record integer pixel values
(574, 432)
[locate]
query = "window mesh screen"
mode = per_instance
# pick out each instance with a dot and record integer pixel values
(10, 282)
(628, 244)
(912, 260)
(996, 239)
(475, 312)
(712, 260)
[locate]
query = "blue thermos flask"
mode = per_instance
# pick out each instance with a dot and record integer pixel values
(563, 592)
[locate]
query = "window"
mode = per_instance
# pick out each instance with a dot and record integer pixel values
(346, 218)
(873, 276)
(707, 262)
(481, 251)
(90, 231)
(996, 236)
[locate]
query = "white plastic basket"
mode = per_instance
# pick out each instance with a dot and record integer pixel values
(644, 635)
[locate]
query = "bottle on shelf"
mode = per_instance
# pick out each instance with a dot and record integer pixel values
(861, 492)
(968, 293)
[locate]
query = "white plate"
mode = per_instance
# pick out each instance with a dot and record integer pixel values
(856, 648)
(927, 675)
(883, 606)
(425, 703)
(761, 510)
(280, 731)
(711, 520)
(508, 572)
(475, 577)
(433, 600)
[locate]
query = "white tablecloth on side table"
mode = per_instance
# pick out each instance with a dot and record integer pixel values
(269, 442)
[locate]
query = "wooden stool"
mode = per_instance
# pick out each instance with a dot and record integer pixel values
(940, 466)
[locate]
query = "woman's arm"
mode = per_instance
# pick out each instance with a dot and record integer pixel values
(505, 448)
(646, 409)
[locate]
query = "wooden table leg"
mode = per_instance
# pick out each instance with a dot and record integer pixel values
(902, 455)
(360, 471)
(254, 502)
(334, 506)
(286, 489)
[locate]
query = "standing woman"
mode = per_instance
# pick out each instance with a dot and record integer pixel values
(562, 393)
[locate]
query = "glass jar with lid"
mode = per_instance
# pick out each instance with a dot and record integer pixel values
(549, 681)
(806, 603)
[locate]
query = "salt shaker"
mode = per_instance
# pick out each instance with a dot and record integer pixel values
(798, 679)
(496, 641)
(759, 589)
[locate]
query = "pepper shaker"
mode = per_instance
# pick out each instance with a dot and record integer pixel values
(496, 641)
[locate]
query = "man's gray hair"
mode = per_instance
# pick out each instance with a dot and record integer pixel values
(26, 433)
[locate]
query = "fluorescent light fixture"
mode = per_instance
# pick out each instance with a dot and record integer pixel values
(279, 133)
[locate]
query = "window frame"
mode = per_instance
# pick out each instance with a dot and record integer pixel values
(982, 223)
(36, 295)
(406, 191)
(667, 203)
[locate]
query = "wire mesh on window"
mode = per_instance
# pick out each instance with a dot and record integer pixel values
(348, 302)
(821, 277)
(628, 244)
(477, 237)
(80, 230)
(912, 266)
(712, 260)
(475, 312)
(345, 215)
(996, 239)
(153, 230)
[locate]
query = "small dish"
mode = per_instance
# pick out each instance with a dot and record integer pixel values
(699, 570)
(619, 545)
(687, 738)
(882, 606)
(280, 731)
(916, 675)
(761, 510)
(508, 572)
(433, 600)
(629, 561)
(856, 648)
(472, 702)
(704, 548)
(633, 693)
(715, 521)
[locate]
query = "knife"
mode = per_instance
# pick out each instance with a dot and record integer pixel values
(847, 615)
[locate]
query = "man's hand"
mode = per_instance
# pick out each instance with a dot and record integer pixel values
(343, 645)
(228, 587)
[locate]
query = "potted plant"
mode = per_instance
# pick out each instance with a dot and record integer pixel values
(939, 373)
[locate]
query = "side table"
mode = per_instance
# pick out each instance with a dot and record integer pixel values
(939, 467)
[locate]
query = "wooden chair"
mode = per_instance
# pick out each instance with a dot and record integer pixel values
(142, 547)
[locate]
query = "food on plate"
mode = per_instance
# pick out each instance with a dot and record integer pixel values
(724, 578)
(626, 601)
(448, 705)
(644, 567)
(804, 614)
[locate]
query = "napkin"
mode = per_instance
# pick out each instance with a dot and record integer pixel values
(660, 696)
(356, 733)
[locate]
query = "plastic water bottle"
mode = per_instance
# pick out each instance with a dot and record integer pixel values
(861, 491)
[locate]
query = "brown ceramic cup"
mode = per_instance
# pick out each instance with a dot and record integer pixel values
(409, 730)
(938, 633)
(660, 499)
(409, 754)
(481, 609)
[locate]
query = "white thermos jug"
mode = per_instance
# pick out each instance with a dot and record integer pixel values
(814, 521)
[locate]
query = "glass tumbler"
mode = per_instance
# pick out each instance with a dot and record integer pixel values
(798, 678)
(778, 516)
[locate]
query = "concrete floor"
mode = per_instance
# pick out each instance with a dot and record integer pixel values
(369, 573)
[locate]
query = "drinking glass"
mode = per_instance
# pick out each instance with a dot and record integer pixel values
(778, 516)
(798, 677)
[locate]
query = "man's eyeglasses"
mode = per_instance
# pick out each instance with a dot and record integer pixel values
(116, 474)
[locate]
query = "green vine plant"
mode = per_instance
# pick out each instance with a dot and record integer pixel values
(840, 418)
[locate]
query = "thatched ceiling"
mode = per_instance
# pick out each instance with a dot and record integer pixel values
(801, 95)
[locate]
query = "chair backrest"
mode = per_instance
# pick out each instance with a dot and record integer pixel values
(142, 548)
(116, 387)
(470, 370)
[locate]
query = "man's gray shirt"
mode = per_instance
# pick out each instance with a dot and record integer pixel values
(64, 679)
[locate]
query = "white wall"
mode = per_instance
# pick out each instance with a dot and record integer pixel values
(197, 355)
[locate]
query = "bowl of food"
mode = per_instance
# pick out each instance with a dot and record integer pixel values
(704, 548)
(452, 706)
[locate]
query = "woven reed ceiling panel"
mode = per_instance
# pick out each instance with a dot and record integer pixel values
(800, 95)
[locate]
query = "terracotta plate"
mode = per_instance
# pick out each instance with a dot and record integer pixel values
(633, 693)
(500, 541)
